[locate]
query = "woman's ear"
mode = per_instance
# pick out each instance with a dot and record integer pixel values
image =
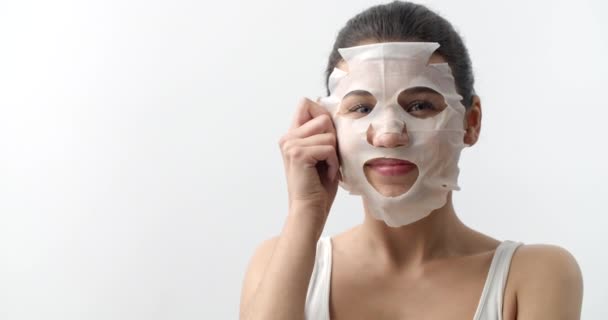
(472, 125)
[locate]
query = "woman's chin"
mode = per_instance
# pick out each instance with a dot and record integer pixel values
(391, 191)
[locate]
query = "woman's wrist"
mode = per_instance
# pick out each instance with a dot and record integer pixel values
(305, 221)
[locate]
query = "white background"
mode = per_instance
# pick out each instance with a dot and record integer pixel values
(139, 165)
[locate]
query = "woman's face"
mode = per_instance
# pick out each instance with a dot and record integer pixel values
(392, 177)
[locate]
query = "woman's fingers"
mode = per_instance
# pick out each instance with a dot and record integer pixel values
(328, 154)
(327, 139)
(318, 125)
(310, 158)
(310, 155)
(318, 139)
(307, 110)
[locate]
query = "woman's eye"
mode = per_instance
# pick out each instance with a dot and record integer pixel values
(420, 106)
(361, 108)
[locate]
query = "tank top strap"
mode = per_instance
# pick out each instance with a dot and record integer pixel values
(491, 300)
(317, 296)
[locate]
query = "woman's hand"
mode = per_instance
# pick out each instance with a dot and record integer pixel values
(310, 159)
(277, 279)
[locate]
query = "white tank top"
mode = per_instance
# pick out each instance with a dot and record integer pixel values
(490, 302)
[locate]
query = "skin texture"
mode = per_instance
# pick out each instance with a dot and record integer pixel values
(434, 268)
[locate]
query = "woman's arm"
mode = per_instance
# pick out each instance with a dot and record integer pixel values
(276, 283)
(278, 275)
(549, 283)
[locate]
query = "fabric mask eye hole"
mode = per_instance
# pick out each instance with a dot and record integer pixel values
(357, 104)
(422, 102)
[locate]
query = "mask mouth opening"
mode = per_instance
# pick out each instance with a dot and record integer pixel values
(391, 177)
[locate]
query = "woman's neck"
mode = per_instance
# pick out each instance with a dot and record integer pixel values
(438, 235)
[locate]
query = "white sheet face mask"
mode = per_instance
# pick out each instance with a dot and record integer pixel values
(386, 70)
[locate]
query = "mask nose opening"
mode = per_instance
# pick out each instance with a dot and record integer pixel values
(390, 134)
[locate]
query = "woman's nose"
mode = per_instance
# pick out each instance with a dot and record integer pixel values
(390, 139)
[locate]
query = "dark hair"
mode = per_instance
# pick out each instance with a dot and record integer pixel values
(406, 21)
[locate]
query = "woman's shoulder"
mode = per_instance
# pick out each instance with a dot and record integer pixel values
(547, 260)
(547, 281)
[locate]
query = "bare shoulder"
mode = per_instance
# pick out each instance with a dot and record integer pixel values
(548, 282)
(545, 261)
(255, 270)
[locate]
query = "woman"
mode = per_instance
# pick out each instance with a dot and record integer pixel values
(418, 263)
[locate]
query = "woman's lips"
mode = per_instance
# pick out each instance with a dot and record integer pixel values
(390, 167)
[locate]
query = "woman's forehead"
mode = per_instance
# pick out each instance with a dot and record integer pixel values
(435, 58)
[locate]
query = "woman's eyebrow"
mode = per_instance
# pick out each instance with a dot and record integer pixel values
(417, 90)
(358, 93)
